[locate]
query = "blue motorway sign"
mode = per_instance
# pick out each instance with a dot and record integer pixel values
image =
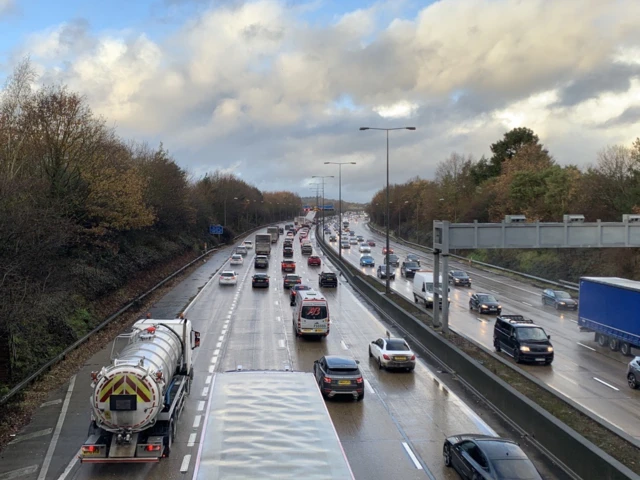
(216, 229)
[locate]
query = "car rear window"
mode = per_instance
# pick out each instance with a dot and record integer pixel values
(227, 274)
(516, 468)
(398, 345)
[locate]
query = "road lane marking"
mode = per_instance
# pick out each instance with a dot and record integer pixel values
(56, 434)
(230, 313)
(20, 472)
(205, 391)
(572, 320)
(184, 468)
(219, 344)
(201, 405)
(277, 303)
(192, 440)
(480, 319)
(208, 380)
(228, 317)
(567, 378)
(221, 338)
(412, 456)
(196, 421)
(369, 387)
(212, 368)
(216, 352)
(281, 343)
(278, 319)
(51, 402)
(224, 331)
(605, 383)
(527, 304)
(29, 436)
(214, 359)
(586, 346)
(343, 345)
(494, 291)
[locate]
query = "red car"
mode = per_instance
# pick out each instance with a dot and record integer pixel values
(384, 250)
(314, 261)
(371, 243)
(288, 266)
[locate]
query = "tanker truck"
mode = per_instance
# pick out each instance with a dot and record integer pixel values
(136, 401)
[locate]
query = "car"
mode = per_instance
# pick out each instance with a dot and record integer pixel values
(364, 248)
(327, 279)
(287, 252)
(353, 241)
(288, 266)
(314, 261)
(236, 259)
(412, 257)
(409, 269)
(459, 278)
(484, 303)
(394, 260)
(382, 272)
(559, 299)
(248, 244)
(261, 261)
(260, 280)
(290, 280)
(522, 339)
(291, 234)
(352, 233)
(360, 238)
(280, 230)
(294, 292)
(633, 373)
(228, 277)
(392, 353)
(306, 249)
(339, 375)
(333, 238)
(367, 261)
(242, 250)
(384, 250)
(344, 244)
(371, 243)
(479, 456)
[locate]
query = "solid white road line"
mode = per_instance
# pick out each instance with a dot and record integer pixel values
(196, 421)
(527, 304)
(20, 472)
(56, 434)
(192, 440)
(369, 387)
(412, 455)
(51, 402)
(586, 346)
(605, 383)
(480, 319)
(28, 436)
(184, 468)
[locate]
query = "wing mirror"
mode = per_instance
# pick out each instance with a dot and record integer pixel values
(549, 337)
(196, 339)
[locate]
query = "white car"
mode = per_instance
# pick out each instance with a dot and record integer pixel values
(364, 248)
(392, 353)
(248, 244)
(236, 259)
(228, 277)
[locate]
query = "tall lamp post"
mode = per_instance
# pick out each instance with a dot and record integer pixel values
(340, 200)
(388, 280)
(323, 177)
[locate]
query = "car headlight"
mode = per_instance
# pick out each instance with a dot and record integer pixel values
(525, 349)
(562, 303)
(500, 307)
(483, 306)
(549, 349)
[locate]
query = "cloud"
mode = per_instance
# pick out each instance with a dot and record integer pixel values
(252, 86)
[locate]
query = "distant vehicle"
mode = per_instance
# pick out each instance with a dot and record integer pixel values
(633, 373)
(261, 261)
(360, 238)
(559, 299)
(394, 260)
(248, 244)
(384, 250)
(242, 250)
(328, 279)
(606, 307)
(311, 314)
(287, 252)
(338, 375)
(382, 272)
(236, 259)
(352, 233)
(294, 291)
(263, 244)
(458, 278)
(490, 458)
(306, 249)
(522, 339)
(412, 257)
(371, 243)
(260, 280)
(484, 303)
(333, 238)
(345, 245)
(409, 269)
(288, 266)
(274, 232)
(228, 277)
(280, 230)
(392, 353)
(367, 261)
(364, 248)
(290, 280)
(314, 261)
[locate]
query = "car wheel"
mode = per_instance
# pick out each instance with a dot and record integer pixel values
(370, 354)
(556, 306)
(415, 298)
(380, 367)
(516, 356)
(446, 454)
(470, 306)
(360, 397)
(632, 381)
(496, 345)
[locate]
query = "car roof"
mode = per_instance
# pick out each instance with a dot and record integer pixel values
(337, 361)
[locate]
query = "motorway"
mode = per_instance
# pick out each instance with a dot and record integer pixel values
(395, 432)
(592, 376)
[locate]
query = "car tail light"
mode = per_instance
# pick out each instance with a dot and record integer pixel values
(152, 448)
(89, 448)
(385, 356)
(413, 357)
(359, 380)
(327, 379)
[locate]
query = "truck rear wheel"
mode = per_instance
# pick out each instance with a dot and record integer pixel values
(614, 345)
(601, 339)
(625, 349)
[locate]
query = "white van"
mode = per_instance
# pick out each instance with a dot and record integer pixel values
(311, 314)
(423, 288)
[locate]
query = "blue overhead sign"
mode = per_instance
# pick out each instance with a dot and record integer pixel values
(216, 229)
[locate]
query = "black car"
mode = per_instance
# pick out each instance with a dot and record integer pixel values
(328, 279)
(294, 292)
(459, 278)
(261, 261)
(481, 456)
(260, 280)
(382, 272)
(393, 260)
(337, 375)
(522, 339)
(412, 257)
(287, 252)
(559, 299)
(409, 269)
(290, 280)
(484, 303)
(333, 238)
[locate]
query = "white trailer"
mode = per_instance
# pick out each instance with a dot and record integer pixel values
(274, 232)
(263, 244)
(268, 425)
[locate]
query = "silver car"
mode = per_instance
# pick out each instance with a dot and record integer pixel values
(633, 373)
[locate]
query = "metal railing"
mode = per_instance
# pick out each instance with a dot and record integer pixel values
(472, 262)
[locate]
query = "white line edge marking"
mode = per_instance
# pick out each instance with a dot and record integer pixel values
(586, 346)
(208, 380)
(192, 440)
(412, 455)
(56, 434)
(369, 387)
(196, 421)
(281, 343)
(605, 383)
(184, 468)
(201, 405)
(527, 304)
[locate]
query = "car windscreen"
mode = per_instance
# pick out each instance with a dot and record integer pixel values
(531, 333)
(411, 265)
(487, 298)
(314, 312)
(459, 274)
(397, 345)
(562, 294)
(393, 258)
(515, 468)
(367, 257)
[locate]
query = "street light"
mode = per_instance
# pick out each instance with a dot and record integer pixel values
(322, 177)
(340, 199)
(388, 283)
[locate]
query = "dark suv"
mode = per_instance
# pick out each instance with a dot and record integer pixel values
(522, 339)
(409, 269)
(394, 260)
(328, 279)
(459, 278)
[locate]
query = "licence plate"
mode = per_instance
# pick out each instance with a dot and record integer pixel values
(344, 382)
(540, 359)
(400, 359)
(319, 330)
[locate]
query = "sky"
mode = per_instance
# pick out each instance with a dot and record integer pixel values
(271, 89)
